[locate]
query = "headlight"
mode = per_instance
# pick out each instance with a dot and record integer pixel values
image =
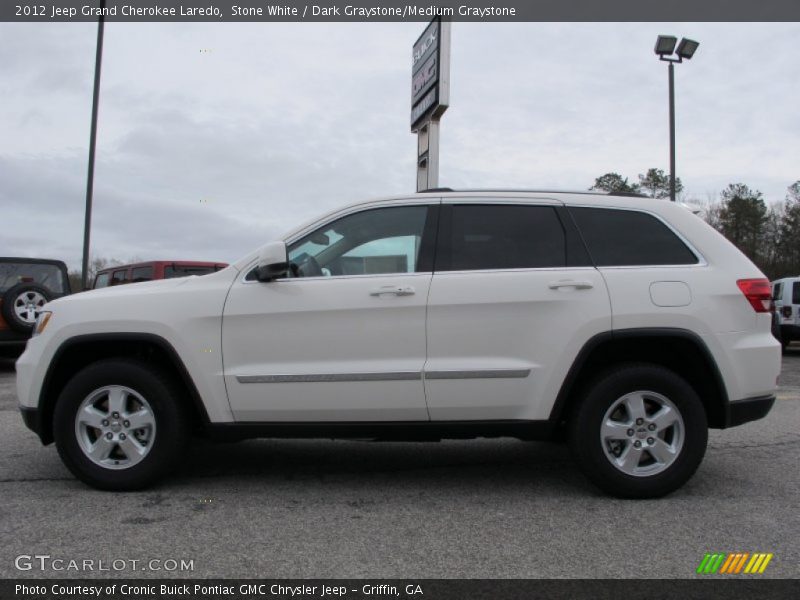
(41, 321)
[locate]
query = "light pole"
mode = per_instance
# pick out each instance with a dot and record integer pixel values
(87, 223)
(665, 48)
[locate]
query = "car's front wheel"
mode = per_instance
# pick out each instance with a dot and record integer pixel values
(640, 431)
(119, 425)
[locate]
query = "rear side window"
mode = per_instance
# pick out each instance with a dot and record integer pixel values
(629, 238)
(496, 236)
(796, 293)
(777, 291)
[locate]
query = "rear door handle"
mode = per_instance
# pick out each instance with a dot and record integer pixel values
(397, 290)
(569, 283)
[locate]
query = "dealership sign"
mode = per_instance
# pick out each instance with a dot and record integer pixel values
(430, 73)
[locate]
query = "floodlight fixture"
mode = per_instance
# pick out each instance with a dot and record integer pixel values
(687, 48)
(665, 45)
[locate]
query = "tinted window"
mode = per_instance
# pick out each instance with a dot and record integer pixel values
(119, 277)
(371, 242)
(49, 276)
(102, 280)
(141, 274)
(626, 238)
(172, 271)
(796, 293)
(503, 237)
(777, 291)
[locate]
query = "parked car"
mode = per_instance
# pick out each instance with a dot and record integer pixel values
(786, 295)
(26, 285)
(154, 269)
(626, 324)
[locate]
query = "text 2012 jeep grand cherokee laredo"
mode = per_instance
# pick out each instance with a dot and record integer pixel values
(627, 324)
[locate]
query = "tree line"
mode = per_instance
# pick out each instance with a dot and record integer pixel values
(769, 234)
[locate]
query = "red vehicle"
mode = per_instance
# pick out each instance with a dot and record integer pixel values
(154, 269)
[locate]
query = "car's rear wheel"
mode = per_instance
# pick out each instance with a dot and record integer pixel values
(119, 425)
(640, 431)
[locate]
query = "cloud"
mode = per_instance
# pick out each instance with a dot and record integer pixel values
(214, 138)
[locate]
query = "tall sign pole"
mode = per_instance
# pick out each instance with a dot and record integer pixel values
(87, 224)
(430, 96)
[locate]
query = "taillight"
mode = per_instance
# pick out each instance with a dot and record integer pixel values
(786, 311)
(758, 293)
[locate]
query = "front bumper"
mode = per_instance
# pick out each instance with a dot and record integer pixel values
(750, 409)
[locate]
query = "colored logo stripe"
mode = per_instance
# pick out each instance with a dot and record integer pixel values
(734, 563)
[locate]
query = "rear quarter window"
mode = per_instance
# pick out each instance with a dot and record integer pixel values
(617, 238)
(796, 292)
(173, 271)
(141, 274)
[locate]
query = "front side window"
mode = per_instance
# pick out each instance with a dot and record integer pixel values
(119, 277)
(630, 238)
(372, 242)
(496, 236)
(102, 280)
(796, 292)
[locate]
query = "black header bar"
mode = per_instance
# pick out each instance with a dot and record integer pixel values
(42, 11)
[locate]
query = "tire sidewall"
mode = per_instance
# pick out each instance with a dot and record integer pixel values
(9, 301)
(587, 445)
(170, 428)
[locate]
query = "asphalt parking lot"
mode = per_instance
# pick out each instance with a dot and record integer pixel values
(474, 509)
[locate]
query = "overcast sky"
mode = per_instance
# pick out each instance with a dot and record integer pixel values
(216, 138)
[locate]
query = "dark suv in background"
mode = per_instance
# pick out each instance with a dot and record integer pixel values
(26, 284)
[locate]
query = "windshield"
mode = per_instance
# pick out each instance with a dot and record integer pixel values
(49, 276)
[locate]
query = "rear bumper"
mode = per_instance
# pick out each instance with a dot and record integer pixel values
(750, 409)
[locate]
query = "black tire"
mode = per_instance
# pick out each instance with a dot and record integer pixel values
(784, 345)
(172, 424)
(18, 294)
(606, 391)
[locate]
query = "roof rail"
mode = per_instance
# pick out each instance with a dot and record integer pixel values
(627, 194)
(532, 191)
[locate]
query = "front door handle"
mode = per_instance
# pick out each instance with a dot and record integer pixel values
(569, 283)
(397, 290)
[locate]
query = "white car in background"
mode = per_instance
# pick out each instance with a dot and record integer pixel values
(786, 296)
(625, 324)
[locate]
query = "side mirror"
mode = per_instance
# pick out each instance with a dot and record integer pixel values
(272, 262)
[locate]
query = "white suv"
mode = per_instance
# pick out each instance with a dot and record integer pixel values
(786, 295)
(625, 324)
